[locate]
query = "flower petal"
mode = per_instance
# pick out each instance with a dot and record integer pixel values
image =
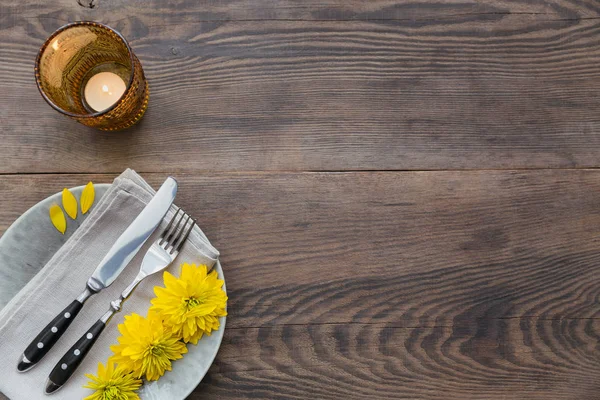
(87, 197)
(57, 216)
(69, 203)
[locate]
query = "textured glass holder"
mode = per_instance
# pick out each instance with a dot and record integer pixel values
(75, 53)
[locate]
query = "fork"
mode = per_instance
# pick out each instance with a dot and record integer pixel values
(160, 255)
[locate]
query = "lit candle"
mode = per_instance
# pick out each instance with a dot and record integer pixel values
(103, 90)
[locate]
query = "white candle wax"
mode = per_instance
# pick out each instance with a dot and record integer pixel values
(103, 90)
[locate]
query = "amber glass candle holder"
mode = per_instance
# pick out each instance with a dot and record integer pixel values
(70, 69)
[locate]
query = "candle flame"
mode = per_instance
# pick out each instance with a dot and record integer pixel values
(105, 88)
(55, 44)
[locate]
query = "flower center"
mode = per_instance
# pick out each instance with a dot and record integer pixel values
(111, 392)
(192, 302)
(157, 350)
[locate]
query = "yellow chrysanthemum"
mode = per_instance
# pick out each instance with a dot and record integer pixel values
(113, 384)
(192, 304)
(146, 347)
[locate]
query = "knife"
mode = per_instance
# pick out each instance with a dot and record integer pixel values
(117, 258)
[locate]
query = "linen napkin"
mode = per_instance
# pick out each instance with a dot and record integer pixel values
(64, 277)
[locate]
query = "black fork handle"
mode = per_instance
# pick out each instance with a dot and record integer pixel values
(70, 361)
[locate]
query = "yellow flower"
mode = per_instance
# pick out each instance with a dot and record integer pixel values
(192, 304)
(146, 347)
(113, 384)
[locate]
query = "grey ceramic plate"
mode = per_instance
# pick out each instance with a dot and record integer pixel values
(24, 252)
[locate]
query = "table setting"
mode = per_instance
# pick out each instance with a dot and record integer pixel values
(128, 224)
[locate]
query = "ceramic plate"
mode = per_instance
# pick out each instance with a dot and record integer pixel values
(24, 252)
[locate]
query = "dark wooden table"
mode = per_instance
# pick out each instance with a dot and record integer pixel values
(406, 194)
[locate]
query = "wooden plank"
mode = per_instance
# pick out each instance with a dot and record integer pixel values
(456, 86)
(178, 11)
(482, 361)
(472, 284)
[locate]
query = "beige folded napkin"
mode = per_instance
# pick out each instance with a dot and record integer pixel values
(64, 277)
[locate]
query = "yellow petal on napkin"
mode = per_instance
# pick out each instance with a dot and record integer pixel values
(87, 197)
(57, 216)
(69, 203)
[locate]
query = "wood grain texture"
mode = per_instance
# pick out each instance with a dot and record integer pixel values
(177, 11)
(477, 279)
(321, 86)
(416, 285)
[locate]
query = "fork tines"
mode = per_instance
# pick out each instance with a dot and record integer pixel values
(176, 233)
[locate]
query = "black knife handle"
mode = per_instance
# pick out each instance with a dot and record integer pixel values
(44, 341)
(70, 361)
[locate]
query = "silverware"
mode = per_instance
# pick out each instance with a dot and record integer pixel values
(160, 255)
(119, 255)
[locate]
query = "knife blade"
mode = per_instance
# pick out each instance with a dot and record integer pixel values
(117, 258)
